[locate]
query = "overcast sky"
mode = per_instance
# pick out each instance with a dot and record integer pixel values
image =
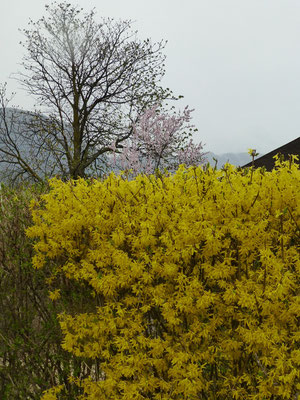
(236, 62)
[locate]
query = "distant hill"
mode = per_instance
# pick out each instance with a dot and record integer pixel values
(237, 159)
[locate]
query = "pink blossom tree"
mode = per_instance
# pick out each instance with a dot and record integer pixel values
(159, 141)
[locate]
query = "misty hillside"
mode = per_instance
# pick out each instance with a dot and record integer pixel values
(237, 159)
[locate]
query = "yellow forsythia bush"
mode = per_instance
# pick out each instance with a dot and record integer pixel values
(197, 280)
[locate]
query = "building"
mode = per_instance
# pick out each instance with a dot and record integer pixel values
(286, 150)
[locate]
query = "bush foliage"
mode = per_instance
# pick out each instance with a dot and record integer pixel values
(193, 277)
(31, 356)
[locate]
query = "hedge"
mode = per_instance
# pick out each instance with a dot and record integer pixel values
(195, 276)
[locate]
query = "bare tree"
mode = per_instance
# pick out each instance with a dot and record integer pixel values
(91, 82)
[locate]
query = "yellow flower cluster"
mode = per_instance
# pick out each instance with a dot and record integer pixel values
(197, 276)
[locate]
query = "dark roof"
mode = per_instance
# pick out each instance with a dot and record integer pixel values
(286, 150)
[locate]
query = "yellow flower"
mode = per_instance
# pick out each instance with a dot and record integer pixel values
(195, 278)
(55, 294)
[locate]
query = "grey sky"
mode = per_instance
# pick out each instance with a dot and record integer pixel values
(236, 62)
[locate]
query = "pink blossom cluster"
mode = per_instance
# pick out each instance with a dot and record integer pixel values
(160, 140)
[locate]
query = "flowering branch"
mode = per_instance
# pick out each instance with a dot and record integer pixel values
(160, 140)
